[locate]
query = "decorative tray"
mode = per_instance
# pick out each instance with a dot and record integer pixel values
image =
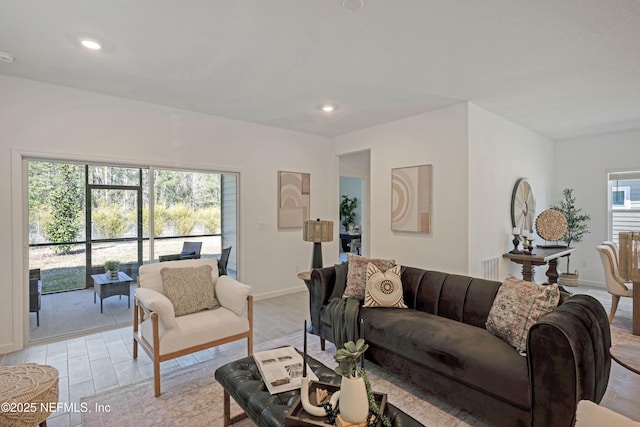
(297, 417)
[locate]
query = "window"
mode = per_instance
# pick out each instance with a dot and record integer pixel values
(81, 215)
(624, 202)
(620, 197)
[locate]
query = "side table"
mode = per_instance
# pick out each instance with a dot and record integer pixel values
(627, 355)
(104, 287)
(306, 277)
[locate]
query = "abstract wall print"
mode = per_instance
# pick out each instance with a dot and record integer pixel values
(294, 197)
(411, 199)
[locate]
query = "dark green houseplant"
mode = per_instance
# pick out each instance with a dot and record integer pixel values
(348, 207)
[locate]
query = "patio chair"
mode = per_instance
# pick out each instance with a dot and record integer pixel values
(174, 313)
(35, 292)
(223, 261)
(190, 250)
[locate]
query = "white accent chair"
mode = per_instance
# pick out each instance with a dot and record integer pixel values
(616, 285)
(163, 336)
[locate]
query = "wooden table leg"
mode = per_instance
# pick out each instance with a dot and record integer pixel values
(228, 419)
(527, 271)
(552, 271)
(636, 308)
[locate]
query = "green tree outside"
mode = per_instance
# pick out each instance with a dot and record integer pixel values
(66, 205)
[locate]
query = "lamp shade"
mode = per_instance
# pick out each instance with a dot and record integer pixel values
(317, 231)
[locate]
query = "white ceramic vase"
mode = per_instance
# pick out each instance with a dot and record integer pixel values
(353, 402)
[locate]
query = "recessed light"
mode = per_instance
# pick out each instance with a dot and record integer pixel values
(6, 57)
(90, 44)
(328, 108)
(352, 5)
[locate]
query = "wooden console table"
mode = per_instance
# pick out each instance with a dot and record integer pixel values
(540, 256)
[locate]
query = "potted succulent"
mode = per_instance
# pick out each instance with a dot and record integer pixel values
(111, 269)
(354, 402)
(576, 229)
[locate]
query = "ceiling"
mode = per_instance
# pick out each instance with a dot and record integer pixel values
(562, 68)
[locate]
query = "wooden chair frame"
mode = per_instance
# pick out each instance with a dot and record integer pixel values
(153, 349)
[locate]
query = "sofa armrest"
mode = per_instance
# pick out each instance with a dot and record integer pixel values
(153, 301)
(320, 287)
(232, 294)
(568, 359)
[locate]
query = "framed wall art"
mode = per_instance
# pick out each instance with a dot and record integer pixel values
(411, 199)
(294, 197)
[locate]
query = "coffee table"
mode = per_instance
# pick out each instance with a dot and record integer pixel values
(241, 380)
(104, 287)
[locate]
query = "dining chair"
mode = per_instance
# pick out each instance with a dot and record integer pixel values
(616, 285)
(223, 261)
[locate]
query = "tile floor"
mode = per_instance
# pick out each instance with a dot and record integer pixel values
(100, 361)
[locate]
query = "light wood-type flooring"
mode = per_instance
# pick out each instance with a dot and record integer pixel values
(100, 361)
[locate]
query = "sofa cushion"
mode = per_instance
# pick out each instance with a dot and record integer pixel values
(518, 305)
(384, 288)
(341, 280)
(190, 289)
(466, 354)
(357, 274)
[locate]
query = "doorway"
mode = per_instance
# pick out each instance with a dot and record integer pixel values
(354, 183)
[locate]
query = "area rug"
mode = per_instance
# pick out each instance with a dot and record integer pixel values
(192, 397)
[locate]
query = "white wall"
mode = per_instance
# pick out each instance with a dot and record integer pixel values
(500, 152)
(583, 164)
(58, 122)
(438, 138)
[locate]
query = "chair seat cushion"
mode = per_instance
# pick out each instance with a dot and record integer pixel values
(465, 353)
(197, 328)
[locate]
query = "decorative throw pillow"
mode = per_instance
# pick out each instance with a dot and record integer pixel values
(190, 289)
(384, 289)
(341, 280)
(517, 306)
(357, 274)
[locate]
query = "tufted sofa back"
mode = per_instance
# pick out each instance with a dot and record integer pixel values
(456, 297)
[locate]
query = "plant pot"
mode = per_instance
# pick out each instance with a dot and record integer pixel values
(353, 402)
(113, 275)
(568, 279)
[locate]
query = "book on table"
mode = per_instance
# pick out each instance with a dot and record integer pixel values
(281, 369)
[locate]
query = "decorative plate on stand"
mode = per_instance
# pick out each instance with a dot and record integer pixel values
(551, 225)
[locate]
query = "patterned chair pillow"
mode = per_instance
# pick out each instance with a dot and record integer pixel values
(517, 306)
(357, 274)
(384, 289)
(190, 289)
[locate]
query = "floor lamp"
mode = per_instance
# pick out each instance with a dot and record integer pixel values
(317, 232)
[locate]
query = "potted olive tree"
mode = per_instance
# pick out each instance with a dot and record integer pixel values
(576, 229)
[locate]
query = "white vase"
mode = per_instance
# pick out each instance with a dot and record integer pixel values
(353, 402)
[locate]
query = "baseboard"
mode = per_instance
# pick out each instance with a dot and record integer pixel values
(279, 293)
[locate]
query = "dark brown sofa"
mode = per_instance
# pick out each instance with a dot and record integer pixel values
(440, 343)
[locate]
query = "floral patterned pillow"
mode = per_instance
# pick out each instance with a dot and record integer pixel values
(357, 274)
(517, 306)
